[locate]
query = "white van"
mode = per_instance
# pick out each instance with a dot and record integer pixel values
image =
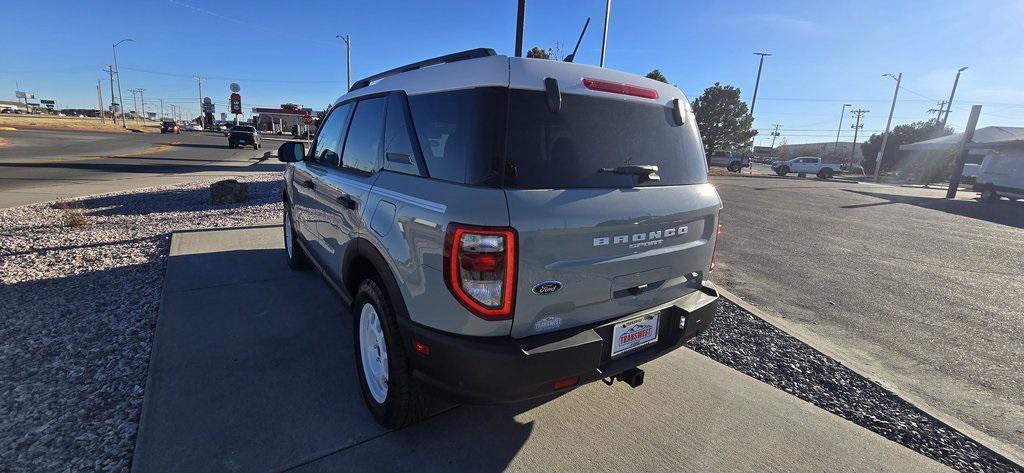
(1001, 175)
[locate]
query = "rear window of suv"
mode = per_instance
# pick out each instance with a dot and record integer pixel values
(500, 137)
(569, 148)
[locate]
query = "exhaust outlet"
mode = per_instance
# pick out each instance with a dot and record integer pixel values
(634, 377)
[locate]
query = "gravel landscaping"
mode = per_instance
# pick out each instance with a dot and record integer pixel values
(752, 346)
(80, 283)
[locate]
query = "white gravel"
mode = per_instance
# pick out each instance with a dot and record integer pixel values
(78, 306)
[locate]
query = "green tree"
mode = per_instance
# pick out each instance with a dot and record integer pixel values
(723, 119)
(538, 53)
(657, 75)
(900, 135)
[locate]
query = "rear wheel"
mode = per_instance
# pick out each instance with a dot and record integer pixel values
(296, 257)
(825, 173)
(383, 367)
(989, 195)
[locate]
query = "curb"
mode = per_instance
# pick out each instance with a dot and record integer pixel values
(1000, 447)
(8, 128)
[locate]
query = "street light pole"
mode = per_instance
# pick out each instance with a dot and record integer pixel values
(348, 58)
(835, 149)
(202, 116)
(120, 96)
(949, 104)
(885, 138)
(757, 83)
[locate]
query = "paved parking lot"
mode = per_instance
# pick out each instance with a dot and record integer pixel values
(922, 293)
(252, 370)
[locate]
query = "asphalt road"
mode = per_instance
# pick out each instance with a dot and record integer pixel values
(42, 165)
(923, 293)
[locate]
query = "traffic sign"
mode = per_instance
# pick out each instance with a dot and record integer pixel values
(235, 88)
(307, 120)
(236, 104)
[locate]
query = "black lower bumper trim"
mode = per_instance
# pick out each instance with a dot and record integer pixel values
(502, 369)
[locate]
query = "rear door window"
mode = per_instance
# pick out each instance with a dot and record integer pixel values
(568, 149)
(399, 155)
(363, 145)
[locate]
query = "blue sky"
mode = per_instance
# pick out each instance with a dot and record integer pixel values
(824, 53)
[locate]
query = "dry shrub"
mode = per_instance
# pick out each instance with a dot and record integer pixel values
(73, 214)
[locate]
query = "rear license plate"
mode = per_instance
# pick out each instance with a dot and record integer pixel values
(634, 333)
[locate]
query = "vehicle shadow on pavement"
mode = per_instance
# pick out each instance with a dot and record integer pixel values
(1003, 212)
(197, 145)
(253, 370)
(175, 200)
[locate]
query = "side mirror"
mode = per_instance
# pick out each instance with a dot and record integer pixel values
(291, 152)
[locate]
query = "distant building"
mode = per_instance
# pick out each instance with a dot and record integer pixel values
(13, 106)
(279, 120)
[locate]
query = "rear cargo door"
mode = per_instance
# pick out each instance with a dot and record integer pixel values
(599, 240)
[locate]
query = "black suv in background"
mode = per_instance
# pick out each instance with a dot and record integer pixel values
(243, 134)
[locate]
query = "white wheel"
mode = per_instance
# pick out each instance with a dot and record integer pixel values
(374, 353)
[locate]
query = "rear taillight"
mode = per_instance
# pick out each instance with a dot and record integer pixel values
(480, 269)
(619, 88)
(714, 249)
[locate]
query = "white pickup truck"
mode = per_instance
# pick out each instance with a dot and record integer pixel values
(806, 165)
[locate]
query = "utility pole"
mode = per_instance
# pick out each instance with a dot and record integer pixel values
(949, 104)
(520, 26)
(775, 134)
(757, 83)
(113, 113)
(161, 109)
(885, 137)
(202, 116)
(348, 58)
(938, 111)
(856, 128)
(961, 155)
(142, 100)
(835, 149)
(120, 96)
(99, 97)
(604, 39)
(135, 104)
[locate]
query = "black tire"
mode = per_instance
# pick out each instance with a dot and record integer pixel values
(733, 167)
(782, 170)
(825, 173)
(255, 146)
(297, 258)
(405, 402)
(989, 194)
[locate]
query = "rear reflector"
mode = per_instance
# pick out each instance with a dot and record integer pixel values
(620, 88)
(567, 382)
(420, 347)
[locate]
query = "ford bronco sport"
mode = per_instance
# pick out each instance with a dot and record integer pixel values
(505, 228)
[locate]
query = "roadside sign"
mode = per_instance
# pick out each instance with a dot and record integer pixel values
(236, 104)
(208, 106)
(235, 88)
(307, 120)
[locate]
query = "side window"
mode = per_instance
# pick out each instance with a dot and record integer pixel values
(398, 150)
(327, 148)
(362, 147)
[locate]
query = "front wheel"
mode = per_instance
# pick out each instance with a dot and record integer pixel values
(733, 167)
(383, 367)
(296, 257)
(782, 171)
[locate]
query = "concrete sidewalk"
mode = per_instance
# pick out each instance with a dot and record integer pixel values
(252, 370)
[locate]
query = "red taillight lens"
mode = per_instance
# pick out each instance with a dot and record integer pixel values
(714, 249)
(619, 88)
(480, 269)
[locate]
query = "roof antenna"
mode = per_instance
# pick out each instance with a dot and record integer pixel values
(572, 56)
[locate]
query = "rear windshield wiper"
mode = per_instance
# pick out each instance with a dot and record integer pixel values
(647, 172)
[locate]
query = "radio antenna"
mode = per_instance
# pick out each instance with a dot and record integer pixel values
(572, 56)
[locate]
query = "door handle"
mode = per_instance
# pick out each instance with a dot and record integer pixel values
(309, 184)
(347, 201)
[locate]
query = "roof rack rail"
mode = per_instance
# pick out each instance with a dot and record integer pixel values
(454, 57)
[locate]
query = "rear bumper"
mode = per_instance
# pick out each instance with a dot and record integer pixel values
(502, 369)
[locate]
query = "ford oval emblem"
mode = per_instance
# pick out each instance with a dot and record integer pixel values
(547, 287)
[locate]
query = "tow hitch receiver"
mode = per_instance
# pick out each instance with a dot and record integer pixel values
(634, 377)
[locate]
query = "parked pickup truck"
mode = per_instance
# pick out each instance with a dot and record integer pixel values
(806, 165)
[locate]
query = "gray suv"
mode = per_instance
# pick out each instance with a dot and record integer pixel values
(505, 228)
